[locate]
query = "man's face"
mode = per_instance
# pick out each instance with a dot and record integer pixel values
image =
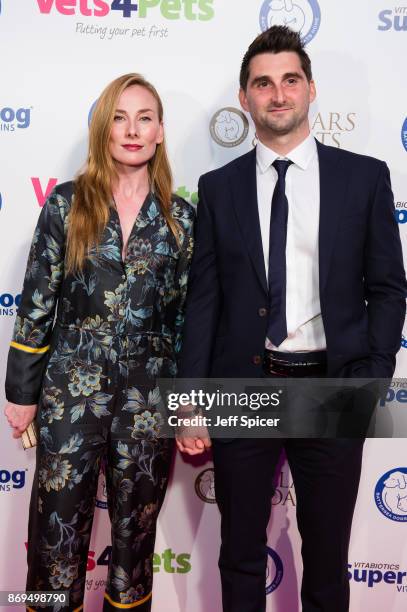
(278, 94)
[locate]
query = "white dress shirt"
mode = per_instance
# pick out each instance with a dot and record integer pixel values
(303, 309)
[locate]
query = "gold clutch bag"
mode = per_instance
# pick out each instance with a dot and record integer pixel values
(29, 437)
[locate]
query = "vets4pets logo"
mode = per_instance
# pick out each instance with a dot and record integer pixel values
(303, 16)
(191, 10)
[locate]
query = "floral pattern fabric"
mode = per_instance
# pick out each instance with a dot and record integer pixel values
(88, 348)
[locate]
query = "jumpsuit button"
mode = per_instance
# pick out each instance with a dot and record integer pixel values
(123, 277)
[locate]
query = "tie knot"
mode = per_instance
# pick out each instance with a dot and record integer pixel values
(281, 165)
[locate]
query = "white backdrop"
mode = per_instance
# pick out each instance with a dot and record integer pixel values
(57, 56)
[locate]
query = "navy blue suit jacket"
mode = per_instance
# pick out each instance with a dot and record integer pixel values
(362, 279)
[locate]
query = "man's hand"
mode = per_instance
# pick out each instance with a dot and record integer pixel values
(191, 439)
(194, 445)
(19, 417)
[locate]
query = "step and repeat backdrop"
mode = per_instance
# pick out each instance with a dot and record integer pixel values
(57, 56)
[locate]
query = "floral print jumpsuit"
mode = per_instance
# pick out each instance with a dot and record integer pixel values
(88, 347)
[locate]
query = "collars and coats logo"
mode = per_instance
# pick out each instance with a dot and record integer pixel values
(205, 486)
(229, 127)
(391, 494)
(300, 15)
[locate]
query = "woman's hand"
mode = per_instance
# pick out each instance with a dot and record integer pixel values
(194, 445)
(19, 417)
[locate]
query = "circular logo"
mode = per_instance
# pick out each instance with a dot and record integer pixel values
(275, 571)
(229, 127)
(303, 16)
(391, 494)
(205, 486)
(404, 134)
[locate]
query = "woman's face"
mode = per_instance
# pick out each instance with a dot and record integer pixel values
(136, 128)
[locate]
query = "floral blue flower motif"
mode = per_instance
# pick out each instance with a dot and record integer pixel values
(52, 407)
(133, 594)
(64, 571)
(54, 472)
(85, 380)
(147, 425)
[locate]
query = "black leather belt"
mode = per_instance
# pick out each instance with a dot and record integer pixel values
(295, 365)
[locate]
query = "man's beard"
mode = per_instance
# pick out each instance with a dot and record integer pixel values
(281, 128)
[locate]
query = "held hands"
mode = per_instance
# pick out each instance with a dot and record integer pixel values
(19, 417)
(194, 445)
(191, 439)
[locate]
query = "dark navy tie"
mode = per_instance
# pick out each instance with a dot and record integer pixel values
(277, 324)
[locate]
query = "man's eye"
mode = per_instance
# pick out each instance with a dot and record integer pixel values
(292, 81)
(263, 83)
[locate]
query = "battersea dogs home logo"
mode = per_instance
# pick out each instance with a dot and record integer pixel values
(303, 16)
(229, 127)
(275, 571)
(391, 494)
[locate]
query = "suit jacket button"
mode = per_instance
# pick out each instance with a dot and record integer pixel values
(257, 359)
(262, 312)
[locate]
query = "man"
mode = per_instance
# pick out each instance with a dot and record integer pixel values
(297, 271)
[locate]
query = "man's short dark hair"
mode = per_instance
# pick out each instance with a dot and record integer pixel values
(275, 40)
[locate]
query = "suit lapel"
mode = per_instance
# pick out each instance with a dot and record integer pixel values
(244, 190)
(333, 183)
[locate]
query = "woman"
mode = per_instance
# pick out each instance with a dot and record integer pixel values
(110, 255)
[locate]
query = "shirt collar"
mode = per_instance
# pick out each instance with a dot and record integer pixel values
(301, 156)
